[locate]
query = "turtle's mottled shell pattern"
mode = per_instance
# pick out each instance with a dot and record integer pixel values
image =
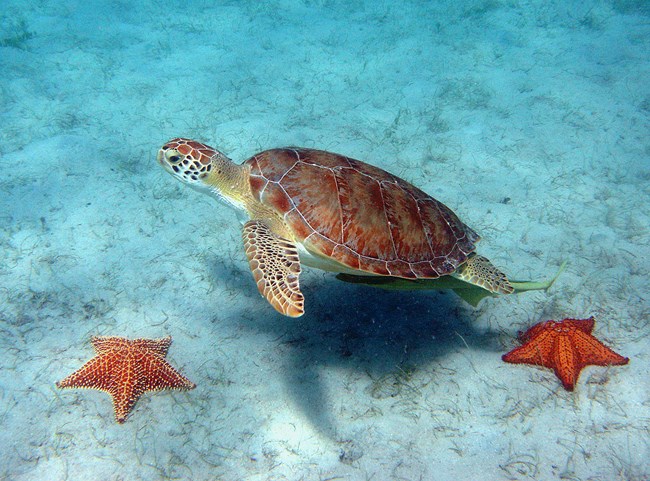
(359, 215)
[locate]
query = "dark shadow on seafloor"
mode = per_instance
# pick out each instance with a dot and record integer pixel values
(361, 328)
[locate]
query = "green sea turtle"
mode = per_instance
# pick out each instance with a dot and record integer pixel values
(325, 210)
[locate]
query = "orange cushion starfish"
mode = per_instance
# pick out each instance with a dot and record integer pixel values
(566, 347)
(126, 369)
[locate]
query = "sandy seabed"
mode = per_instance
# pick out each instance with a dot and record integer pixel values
(531, 120)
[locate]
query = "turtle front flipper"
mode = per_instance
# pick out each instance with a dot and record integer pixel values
(479, 271)
(275, 265)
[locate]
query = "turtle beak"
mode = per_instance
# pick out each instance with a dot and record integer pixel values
(163, 162)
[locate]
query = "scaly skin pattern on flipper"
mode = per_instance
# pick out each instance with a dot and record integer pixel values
(480, 272)
(275, 265)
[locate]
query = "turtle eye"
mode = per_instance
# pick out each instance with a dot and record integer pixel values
(173, 156)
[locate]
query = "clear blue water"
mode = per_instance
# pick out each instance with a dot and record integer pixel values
(531, 120)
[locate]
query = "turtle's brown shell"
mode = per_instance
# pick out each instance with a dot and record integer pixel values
(359, 215)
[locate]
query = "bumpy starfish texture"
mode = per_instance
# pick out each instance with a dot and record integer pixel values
(566, 347)
(126, 369)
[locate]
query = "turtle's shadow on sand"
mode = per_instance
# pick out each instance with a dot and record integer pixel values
(364, 329)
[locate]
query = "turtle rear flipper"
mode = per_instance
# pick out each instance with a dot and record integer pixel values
(479, 271)
(275, 265)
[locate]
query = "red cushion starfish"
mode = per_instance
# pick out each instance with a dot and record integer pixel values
(566, 347)
(126, 369)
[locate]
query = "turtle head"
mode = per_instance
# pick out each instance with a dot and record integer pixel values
(204, 169)
(189, 161)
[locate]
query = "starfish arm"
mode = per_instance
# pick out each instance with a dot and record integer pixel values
(533, 332)
(95, 374)
(565, 362)
(125, 393)
(594, 352)
(103, 344)
(159, 346)
(584, 325)
(536, 351)
(159, 375)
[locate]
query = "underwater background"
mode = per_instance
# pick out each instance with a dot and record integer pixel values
(529, 119)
